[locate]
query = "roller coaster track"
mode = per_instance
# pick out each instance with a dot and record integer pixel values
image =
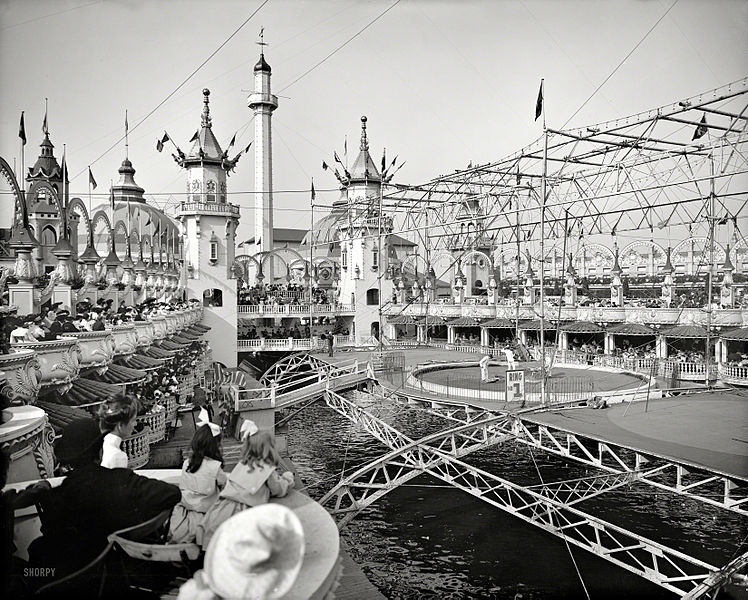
(548, 506)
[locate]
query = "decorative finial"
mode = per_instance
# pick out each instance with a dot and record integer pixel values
(206, 108)
(262, 42)
(364, 141)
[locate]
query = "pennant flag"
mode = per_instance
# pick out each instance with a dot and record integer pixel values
(314, 195)
(345, 146)
(45, 128)
(127, 127)
(111, 197)
(247, 148)
(324, 166)
(91, 180)
(64, 168)
(194, 137)
(384, 160)
(701, 129)
(231, 143)
(22, 130)
(337, 158)
(539, 102)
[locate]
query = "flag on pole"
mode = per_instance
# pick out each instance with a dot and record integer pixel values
(127, 128)
(232, 142)
(22, 130)
(337, 158)
(314, 195)
(325, 166)
(247, 148)
(194, 137)
(111, 198)
(345, 146)
(539, 102)
(64, 168)
(384, 160)
(45, 128)
(160, 143)
(91, 180)
(701, 129)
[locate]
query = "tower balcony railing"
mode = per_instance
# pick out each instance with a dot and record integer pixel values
(293, 310)
(216, 208)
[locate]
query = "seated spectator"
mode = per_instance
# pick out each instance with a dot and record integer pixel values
(117, 418)
(255, 554)
(92, 502)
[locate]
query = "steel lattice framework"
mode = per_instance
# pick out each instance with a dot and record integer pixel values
(664, 566)
(642, 172)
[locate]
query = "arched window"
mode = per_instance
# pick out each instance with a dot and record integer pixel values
(372, 297)
(210, 191)
(49, 236)
(213, 297)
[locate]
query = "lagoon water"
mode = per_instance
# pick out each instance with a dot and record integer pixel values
(427, 540)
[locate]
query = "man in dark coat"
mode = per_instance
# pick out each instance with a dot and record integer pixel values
(92, 502)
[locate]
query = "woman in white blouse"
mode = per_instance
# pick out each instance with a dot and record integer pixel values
(117, 419)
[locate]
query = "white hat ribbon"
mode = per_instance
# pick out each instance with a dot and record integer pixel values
(248, 429)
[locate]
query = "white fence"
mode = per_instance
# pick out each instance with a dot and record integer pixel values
(292, 310)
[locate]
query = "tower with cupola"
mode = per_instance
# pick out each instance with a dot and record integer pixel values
(263, 103)
(365, 281)
(208, 230)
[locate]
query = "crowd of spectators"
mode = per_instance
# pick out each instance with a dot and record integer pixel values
(275, 294)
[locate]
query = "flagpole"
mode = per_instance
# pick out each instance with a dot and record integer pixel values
(89, 189)
(543, 186)
(126, 140)
(311, 263)
(22, 177)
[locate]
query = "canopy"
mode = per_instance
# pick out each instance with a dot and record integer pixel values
(88, 391)
(119, 375)
(685, 331)
(582, 327)
(464, 322)
(401, 320)
(433, 320)
(535, 325)
(141, 362)
(158, 353)
(499, 324)
(740, 334)
(60, 415)
(631, 329)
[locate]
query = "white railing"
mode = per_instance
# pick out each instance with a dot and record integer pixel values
(281, 344)
(733, 374)
(300, 310)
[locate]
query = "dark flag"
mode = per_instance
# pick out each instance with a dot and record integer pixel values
(22, 130)
(701, 129)
(111, 197)
(160, 143)
(324, 166)
(337, 158)
(194, 137)
(247, 148)
(314, 195)
(91, 180)
(539, 102)
(384, 161)
(45, 127)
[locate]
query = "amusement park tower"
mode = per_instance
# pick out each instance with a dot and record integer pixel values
(365, 280)
(263, 103)
(209, 225)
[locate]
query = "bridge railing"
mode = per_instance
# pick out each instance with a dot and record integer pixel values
(285, 344)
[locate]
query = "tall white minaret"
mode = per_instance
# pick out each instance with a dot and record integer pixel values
(263, 103)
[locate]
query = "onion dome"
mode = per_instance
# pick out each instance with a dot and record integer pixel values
(262, 65)
(363, 168)
(126, 186)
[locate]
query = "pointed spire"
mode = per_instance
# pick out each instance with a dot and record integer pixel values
(206, 108)
(364, 141)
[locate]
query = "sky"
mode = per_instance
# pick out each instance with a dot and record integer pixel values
(443, 83)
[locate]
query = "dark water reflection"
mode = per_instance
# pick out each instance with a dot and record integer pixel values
(426, 540)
